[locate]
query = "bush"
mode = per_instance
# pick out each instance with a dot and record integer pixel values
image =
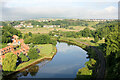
(96, 39)
(22, 27)
(33, 53)
(9, 62)
(84, 71)
(23, 57)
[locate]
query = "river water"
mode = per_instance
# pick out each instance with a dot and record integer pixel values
(65, 64)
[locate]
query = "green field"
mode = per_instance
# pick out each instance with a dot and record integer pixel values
(47, 30)
(46, 51)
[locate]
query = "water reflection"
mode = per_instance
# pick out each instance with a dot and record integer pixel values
(25, 73)
(33, 70)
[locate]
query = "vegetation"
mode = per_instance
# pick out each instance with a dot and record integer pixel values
(63, 23)
(33, 54)
(103, 35)
(9, 62)
(46, 51)
(7, 32)
(112, 50)
(23, 57)
(39, 39)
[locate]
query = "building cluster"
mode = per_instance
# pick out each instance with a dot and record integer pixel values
(97, 20)
(47, 20)
(17, 47)
(23, 25)
(51, 26)
(1, 26)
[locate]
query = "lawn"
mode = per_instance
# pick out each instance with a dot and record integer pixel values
(46, 51)
(36, 30)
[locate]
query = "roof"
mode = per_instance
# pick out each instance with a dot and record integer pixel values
(15, 36)
(6, 48)
(3, 56)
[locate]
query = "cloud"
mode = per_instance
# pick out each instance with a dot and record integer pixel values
(25, 9)
(111, 9)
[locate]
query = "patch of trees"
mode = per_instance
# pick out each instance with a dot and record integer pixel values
(83, 33)
(9, 62)
(23, 57)
(7, 32)
(86, 32)
(112, 52)
(86, 72)
(103, 24)
(104, 31)
(33, 53)
(15, 23)
(39, 39)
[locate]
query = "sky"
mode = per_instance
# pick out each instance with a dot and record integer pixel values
(80, 9)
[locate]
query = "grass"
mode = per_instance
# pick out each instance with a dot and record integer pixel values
(78, 28)
(36, 30)
(47, 30)
(46, 51)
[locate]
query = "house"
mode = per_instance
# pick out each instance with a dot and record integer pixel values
(30, 26)
(12, 48)
(51, 26)
(18, 26)
(1, 26)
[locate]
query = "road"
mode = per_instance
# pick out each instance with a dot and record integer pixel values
(102, 62)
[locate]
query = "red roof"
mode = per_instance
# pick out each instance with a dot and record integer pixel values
(3, 56)
(23, 47)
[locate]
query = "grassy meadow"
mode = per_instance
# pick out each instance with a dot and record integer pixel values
(47, 30)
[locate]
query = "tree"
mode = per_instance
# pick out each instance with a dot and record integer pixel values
(9, 62)
(30, 34)
(22, 27)
(96, 39)
(86, 32)
(112, 43)
(33, 54)
(23, 57)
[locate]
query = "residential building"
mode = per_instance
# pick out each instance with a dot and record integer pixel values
(1, 26)
(12, 47)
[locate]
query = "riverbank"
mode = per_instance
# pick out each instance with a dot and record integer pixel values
(93, 53)
(34, 61)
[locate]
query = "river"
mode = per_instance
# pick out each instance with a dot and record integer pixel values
(65, 64)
